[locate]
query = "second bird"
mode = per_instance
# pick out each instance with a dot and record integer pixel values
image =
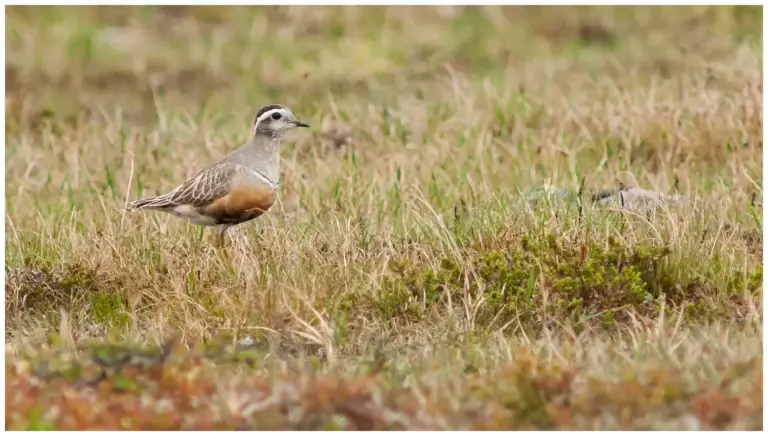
(238, 188)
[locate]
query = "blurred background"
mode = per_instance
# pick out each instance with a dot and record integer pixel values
(63, 61)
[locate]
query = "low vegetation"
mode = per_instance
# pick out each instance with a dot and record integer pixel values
(420, 269)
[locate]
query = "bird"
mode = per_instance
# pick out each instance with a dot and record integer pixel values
(238, 188)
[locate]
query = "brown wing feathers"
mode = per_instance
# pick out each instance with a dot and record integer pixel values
(224, 192)
(202, 189)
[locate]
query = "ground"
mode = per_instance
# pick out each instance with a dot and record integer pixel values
(417, 271)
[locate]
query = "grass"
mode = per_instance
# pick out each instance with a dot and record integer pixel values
(406, 278)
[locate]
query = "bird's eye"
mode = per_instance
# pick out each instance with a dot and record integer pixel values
(276, 116)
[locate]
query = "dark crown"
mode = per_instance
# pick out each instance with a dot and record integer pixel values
(266, 109)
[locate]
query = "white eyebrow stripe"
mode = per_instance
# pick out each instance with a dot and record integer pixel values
(264, 179)
(266, 115)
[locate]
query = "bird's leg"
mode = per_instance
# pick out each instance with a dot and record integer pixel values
(221, 229)
(224, 254)
(199, 241)
(219, 244)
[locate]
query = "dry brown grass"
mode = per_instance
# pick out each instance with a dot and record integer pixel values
(403, 280)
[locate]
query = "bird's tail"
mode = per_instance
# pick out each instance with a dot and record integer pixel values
(158, 202)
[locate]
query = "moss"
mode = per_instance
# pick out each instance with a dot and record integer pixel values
(109, 309)
(123, 383)
(212, 306)
(397, 297)
(69, 286)
(46, 290)
(36, 421)
(77, 276)
(334, 422)
(751, 282)
(538, 279)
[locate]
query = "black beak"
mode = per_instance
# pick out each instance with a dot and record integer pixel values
(300, 124)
